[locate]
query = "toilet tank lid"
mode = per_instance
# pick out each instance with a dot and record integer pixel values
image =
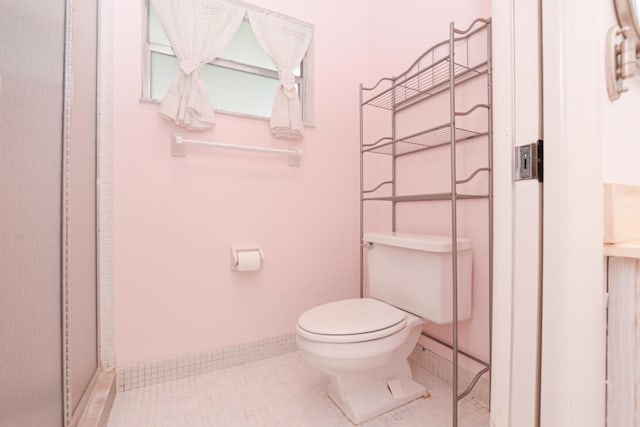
(422, 242)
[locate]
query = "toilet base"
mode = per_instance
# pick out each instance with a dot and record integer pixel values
(376, 400)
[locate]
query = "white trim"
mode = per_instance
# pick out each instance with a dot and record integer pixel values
(225, 63)
(270, 12)
(228, 113)
(527, 202)
(145, 66)
(308, 91)
(503, 128)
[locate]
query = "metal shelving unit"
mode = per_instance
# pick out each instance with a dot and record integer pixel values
(430, 75)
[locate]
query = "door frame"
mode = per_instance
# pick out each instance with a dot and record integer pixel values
(572, 358)
(517, 284)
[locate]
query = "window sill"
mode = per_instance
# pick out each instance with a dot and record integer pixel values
(229, 113)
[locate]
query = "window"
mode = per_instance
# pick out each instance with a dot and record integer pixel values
(242, 80)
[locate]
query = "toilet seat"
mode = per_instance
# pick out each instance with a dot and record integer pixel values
(350, 321)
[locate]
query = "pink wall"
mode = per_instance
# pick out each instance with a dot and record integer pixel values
(176, 218)
(397, 36)
(620, 126)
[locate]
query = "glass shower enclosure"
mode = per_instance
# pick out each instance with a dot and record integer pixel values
(48, 298)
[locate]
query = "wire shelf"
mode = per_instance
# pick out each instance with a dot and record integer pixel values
(425, 140)
(424, 83)
(425, 197)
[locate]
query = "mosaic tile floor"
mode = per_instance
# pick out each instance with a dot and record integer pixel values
(280, 391)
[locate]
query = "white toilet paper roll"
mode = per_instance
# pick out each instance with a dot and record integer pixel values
(249, 261)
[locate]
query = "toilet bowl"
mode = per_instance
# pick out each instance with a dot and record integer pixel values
(362, 345)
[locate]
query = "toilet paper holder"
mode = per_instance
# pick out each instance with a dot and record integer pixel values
(235, 259)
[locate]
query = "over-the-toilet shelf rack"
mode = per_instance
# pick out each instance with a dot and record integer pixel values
(427, 77)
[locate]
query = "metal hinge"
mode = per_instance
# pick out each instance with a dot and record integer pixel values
(528, 162)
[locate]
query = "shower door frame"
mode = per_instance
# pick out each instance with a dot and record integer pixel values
(76, 133)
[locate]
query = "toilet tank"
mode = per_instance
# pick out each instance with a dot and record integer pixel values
(413, 272)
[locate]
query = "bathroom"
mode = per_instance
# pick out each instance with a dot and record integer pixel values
(165, 225)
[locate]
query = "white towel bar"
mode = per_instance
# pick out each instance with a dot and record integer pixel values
(178, 143)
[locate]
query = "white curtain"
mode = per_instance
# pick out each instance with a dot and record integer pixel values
(286, 44)
(198, 31)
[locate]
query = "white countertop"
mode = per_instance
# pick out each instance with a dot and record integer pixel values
(629, 249)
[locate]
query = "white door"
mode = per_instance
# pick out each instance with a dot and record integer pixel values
(573, 309)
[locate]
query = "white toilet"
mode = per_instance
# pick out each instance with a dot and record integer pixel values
(363, 344)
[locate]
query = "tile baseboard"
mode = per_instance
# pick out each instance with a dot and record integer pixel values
(156, 372)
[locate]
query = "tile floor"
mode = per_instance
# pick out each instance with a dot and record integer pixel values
(280, 391)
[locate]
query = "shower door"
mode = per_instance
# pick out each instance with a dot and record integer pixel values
(48, 284)
(32, 34)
